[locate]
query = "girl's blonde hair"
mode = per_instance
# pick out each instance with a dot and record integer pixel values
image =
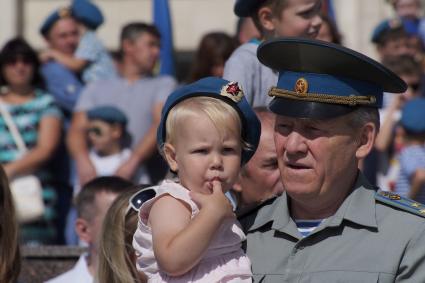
(116, 254)
(10, 261)
(221, 114)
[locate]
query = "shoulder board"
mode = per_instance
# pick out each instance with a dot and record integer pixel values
(400, 202)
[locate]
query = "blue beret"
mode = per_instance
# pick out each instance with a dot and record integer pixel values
(323, 80)
(245, 8)
(109, 114)
(411, 26)
(413, 116)
(226, 91)
(389, 25)
(52, 18)
(87, 13)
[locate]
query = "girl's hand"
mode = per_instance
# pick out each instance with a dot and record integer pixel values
(216, 202)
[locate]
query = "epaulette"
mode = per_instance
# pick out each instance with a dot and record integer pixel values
(400, 202)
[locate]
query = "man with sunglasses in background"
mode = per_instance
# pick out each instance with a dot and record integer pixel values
(92, 203)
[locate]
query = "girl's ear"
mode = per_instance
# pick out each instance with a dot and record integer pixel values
(170, 156)
(265, 16)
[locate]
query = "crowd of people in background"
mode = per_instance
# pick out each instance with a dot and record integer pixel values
(89, 121)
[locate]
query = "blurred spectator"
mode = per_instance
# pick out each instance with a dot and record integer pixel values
(214, 49)
(390, 38)
(106, 134)
(412, 157)
(92, 204)
(136, 93)
(91, 59)
(259, 180)
(273, 19)
(39, 123)
(246, 30)
(328, 31)
(60, 31)
(410, 13)
(389, 141)
(117, 258)
(10, 261)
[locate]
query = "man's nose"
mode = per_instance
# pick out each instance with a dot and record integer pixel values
(295, 143)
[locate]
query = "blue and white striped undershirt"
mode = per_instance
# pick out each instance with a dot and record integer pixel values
(305, 227)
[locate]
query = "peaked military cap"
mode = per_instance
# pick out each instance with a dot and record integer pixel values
(227, 91)
(323, 80)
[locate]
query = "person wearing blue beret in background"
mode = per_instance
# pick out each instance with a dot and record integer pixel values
(390, 38)
(412, 157)
(91, 58)
(188, 232)
(107, 134)
(330, 224)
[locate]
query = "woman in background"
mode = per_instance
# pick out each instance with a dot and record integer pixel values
(38, 121)
(213, 51)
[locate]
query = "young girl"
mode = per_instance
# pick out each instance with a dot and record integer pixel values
(188, 232)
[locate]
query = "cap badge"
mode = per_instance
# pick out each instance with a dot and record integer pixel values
(64, 12)
(232, 91)
(301, 86)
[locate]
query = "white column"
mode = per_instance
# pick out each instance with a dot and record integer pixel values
(357, 19)
(8, 20)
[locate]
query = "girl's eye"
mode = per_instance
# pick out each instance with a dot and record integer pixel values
(229, 150)
(200, 151)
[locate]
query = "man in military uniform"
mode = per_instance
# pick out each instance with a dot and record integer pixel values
(331, 225)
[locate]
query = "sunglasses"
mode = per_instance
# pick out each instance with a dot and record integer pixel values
(95, 131)
(135, 202)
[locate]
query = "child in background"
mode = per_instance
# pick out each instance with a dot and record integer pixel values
(91, 58)
(106, 134)
(188, 232)
(411, 180)
(273, 18)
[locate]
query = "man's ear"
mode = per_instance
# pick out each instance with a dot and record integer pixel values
(126, 45)
(170, 156)
(265, 16)
(82, 227)
(366, 140)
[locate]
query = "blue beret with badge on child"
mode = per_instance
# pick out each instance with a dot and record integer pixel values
(321, 80)
(109, 114)
(227, 91)
(87, 13)
(413, 116)
(53, 18)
